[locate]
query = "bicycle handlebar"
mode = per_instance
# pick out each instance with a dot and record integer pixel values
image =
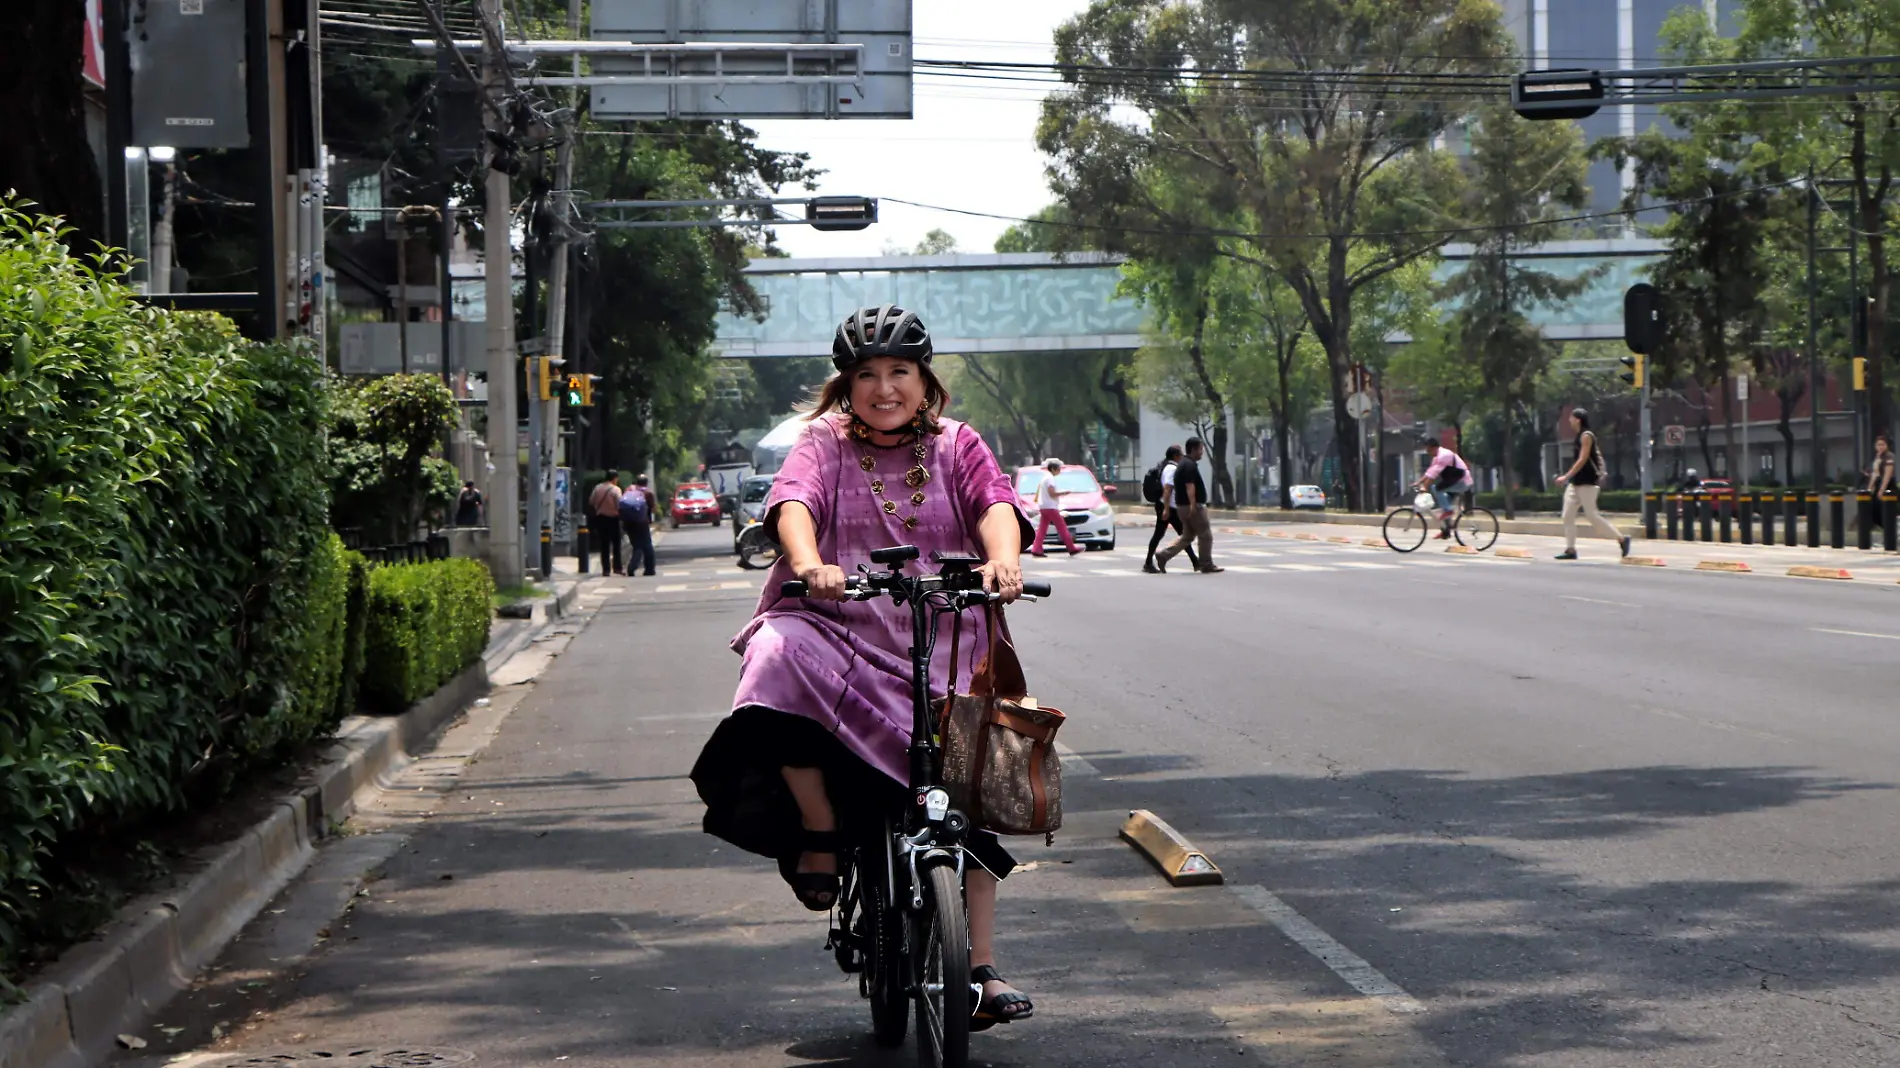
(855, 589)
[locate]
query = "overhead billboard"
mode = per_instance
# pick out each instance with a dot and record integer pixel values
(865, 73)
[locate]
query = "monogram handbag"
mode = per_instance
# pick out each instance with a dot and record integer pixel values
(999, 745)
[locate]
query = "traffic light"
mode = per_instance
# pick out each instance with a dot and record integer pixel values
(1637, 369)
(587, 390)
(576, 390)
(1860, 373)
(1642, 318)
(541, 372)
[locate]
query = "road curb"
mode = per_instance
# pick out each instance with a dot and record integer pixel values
(151, 951)
(1735, 566)
(1808, 571)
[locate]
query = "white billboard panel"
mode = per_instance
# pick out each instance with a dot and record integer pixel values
(869, 79)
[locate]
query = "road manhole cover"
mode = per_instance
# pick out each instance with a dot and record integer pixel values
(354, 1057)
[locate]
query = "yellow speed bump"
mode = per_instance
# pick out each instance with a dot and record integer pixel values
(1306, 537)
(1179, 861)
(1643, 561)
(1278, 534)
(1722, 565)
(1515, 554)
(1340, 539)
(1461, 550)
(1375, 543)
(1804, 571)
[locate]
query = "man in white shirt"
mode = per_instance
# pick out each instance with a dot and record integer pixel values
(1166, 515)
(1049, 503)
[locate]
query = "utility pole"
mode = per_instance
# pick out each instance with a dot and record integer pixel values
(160, 271)
(504, 527)
(1815, 462)
(541, 520)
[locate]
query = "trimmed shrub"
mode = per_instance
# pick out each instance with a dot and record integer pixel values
(425, 622)
(168, 617)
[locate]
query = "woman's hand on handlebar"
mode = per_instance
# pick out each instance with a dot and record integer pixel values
(1003, 577)
(824, 582)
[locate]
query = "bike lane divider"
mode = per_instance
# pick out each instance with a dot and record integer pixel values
(1735, 567)
(1806, 571)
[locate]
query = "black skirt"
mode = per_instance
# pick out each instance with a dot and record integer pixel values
(749, 805)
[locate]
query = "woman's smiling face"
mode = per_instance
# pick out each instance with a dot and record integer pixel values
(886, 392)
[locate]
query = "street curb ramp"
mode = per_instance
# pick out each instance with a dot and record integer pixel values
(152, 950)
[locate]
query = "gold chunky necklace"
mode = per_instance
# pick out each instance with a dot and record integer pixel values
(916, 478)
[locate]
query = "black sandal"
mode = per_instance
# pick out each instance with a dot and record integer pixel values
(992, 1011)
(816, 890)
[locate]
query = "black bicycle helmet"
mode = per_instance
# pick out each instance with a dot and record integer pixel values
(886, 331)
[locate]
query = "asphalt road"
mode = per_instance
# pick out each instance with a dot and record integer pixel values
(1571, 815)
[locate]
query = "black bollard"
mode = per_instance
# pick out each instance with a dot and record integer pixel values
(580, 545)
(1705, 508)
(1889, 512)
(1745, 512)
(1675, 517)
(1789, 519)
(547, 551)
(1814, 519)
(1837, 521)
(1768, 519)
(1726, 506)
(1864, 520)
(1651, 503)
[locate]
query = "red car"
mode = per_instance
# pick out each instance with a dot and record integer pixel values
(693, 502)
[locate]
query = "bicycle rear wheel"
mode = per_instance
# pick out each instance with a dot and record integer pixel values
(942, 947)
(1477, 528)
(884, 966)
(1405, 529)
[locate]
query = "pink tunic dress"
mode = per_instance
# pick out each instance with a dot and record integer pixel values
(846, 665)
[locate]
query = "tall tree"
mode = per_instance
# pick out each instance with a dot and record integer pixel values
(1438, 379)
(1525, 174)
(1310, 119)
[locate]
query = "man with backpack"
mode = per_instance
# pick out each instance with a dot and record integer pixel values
(636, 518)
(603, 522)
(1157, 488)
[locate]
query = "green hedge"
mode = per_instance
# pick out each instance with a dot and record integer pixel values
(169, 608)
(1529, 501)
(425, 623)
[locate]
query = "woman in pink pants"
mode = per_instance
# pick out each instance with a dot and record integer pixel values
(1051, 507)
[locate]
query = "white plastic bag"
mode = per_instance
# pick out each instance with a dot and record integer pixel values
(1424, 502)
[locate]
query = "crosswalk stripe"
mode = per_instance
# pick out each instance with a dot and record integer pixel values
(1243, 569)
(1300, 567)
(1367, 565)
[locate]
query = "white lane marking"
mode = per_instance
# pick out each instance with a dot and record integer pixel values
(738, 586)
(1433, 563)
(672, 588)
(1116, 572)
(1713, 724)
(1245, 569)
(1074, 763)
(1300, 567)
(1366, 565)
(1253, 553)
(1858, 634)
(1594, 600)
(1346, 964)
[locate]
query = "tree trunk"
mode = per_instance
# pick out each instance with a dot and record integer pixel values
(1877, 333)
(1221, 494)
(1282, 436)
(1510, 468)
(44, 156)
(1729, 444)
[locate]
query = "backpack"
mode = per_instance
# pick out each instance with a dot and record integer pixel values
(1151, 484)
(633, 506)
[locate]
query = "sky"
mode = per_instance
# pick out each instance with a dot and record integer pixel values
(971, 144)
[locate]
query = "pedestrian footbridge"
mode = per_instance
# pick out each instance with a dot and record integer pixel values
(1034, 302)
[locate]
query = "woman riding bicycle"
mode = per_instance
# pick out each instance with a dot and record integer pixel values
(1449, 478)
(814, 752)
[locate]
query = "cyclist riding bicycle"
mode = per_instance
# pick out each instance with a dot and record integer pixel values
(1449, 478)
(816, 743)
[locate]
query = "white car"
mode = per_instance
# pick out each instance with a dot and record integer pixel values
(1308, 497)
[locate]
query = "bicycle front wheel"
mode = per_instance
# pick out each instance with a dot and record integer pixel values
(1477, 528)
(942, 946)
(1405, 529)
(885, 972)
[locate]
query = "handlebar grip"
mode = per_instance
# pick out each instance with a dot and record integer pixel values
(793, 588)
(1036, 589)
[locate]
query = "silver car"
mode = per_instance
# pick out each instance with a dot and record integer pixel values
(752, 494)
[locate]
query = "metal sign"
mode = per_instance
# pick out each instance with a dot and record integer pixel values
(188, 75)
(1359, 405)
(753, 59)
(1674, 434)
(1741, 387)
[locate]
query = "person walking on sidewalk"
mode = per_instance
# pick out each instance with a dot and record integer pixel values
(468, 506)
(1167, 516)
(603, 516)
(1585, 481)
(636, 518)
(1049, 503)
(1190, 498)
